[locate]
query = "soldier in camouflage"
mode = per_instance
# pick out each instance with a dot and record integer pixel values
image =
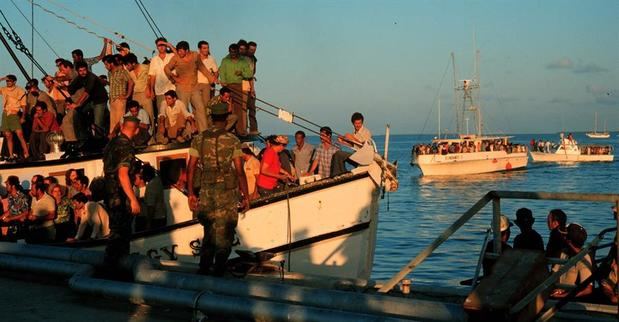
(118, 167)
(218, 154)
(225, 96)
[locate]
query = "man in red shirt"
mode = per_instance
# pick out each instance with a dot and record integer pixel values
(43, 123)
(271, 168)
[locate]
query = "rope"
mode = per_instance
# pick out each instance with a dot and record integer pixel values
(35, 29)
(19, 44)
(65, 19)
(149, 17)
(145, 17)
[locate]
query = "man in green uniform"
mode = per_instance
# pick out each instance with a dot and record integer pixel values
(121, 202)
(218, 153)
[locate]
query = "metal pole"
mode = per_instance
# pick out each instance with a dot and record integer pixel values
(435, 244)
(496, 224)
(12, 53)
(32, 37)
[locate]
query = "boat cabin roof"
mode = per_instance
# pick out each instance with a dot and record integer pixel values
(473, 138)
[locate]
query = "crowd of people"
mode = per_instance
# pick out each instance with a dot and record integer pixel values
(444, 148)
(50, 211)
(564, 242)
(546, 146)
(172, 95)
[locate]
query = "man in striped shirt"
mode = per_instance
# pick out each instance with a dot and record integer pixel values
(324, 153)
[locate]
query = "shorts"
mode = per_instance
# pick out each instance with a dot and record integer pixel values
(10, 123)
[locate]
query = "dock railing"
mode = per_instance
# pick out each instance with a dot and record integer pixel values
(495, 197)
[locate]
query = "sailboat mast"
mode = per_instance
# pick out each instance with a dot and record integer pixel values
(455, 88)
(480, 122)
(439, 117)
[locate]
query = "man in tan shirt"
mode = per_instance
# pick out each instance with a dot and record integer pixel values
(186, 64)
(141, 91)
(14, 98)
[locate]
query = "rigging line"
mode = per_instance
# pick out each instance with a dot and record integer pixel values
(145, 17)
(19, 44)
(15, 59)
(151, 18)
(239, 96)
(35, 29)
(438, 93)
(117, 34)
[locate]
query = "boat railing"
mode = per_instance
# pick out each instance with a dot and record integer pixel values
(495, 198)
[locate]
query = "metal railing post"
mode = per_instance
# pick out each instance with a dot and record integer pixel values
(496, 224)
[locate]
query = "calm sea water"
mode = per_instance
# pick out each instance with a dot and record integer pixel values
(423, 207)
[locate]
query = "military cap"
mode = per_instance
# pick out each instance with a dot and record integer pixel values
(219, 109)
(281, 139)
(131, 118)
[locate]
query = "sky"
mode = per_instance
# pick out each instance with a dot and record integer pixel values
(545, 66)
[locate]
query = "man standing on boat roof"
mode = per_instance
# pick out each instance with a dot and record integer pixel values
(219, 154)
(118, 167)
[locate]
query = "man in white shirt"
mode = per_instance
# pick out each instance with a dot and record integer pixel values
(41, 217)
(353, 140)
(159, 83)
(91, 214)
(302, 154)
(174, 120)
(204, 86)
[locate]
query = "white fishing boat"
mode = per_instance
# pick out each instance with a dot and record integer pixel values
(308, 226)
(598, 135)
(468, 153)
(568, 150)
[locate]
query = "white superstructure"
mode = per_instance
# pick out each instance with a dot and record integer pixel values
(568, 150)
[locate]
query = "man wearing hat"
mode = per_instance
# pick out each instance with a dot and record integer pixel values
(218, 154)
(528, 237)
(504, 226)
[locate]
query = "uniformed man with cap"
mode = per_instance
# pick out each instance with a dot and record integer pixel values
(118, 167)
(218, 156)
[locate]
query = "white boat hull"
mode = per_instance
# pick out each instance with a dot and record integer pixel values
(567, 157)
(469, 163)
(598, 135)
(332, 222)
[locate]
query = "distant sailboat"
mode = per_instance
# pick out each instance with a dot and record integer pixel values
(598, 135)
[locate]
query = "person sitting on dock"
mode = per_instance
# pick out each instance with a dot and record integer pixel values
(504, 226)
(175, 121)
(324, 153)
(354, 140)
(557, 241)
(575, 239)
(528, 237)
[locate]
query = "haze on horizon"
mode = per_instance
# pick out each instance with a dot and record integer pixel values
(545, 65)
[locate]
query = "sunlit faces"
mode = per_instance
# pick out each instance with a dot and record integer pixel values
(170, 100)
(357, 124)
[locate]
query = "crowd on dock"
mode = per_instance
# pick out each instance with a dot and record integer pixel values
(171, 93)
(565, 241)
(447, 147)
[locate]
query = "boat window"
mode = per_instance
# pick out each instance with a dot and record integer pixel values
(173, 171)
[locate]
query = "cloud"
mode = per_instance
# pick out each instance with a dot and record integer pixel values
(563, 63)
(589, 68)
